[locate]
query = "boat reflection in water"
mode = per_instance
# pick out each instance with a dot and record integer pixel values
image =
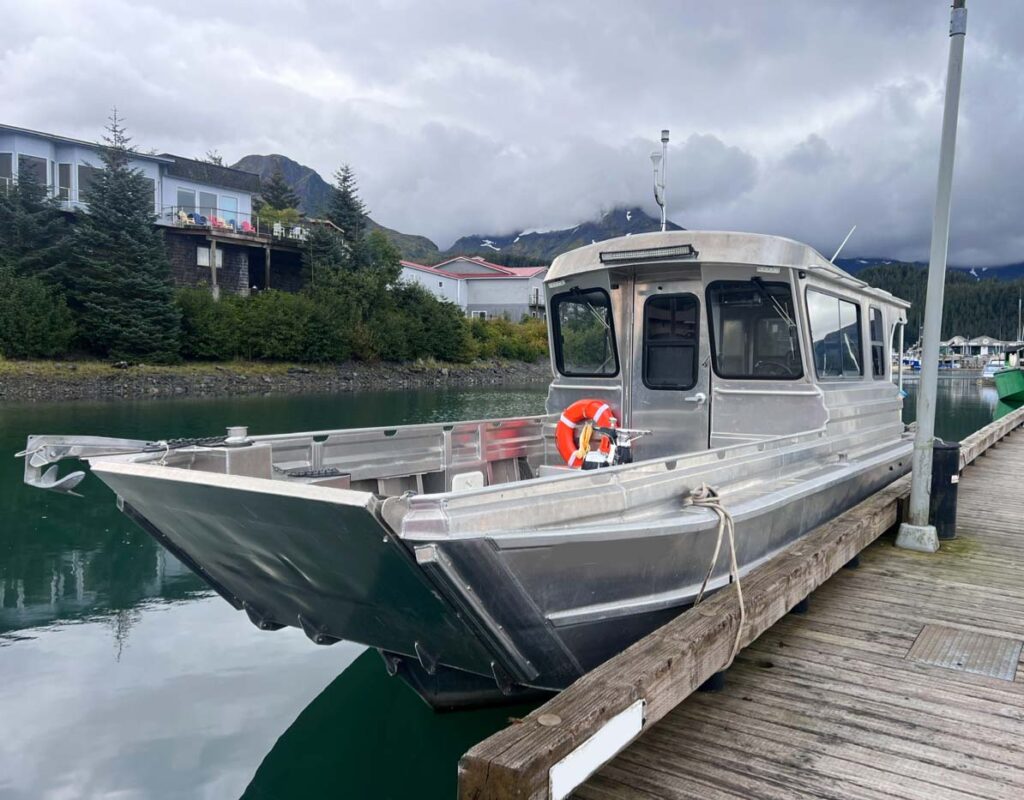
(335, 744)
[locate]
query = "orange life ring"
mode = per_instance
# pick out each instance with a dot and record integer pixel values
(596, 411)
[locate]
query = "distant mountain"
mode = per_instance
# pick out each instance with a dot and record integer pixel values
(313, 191)
(314, 195)
(1008, 272)
(541, 247)
(532, 246)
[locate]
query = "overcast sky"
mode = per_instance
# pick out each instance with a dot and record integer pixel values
(792, 117)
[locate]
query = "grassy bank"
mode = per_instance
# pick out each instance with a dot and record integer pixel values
(44, 380)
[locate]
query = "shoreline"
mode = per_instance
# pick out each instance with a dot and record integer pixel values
(49, 381)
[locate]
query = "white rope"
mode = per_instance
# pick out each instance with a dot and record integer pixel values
(706, 497)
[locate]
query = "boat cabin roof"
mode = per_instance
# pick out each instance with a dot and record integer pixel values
(706, 247)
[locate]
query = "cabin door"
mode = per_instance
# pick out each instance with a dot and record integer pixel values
(670, 386)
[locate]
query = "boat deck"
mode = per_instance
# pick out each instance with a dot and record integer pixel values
(902, 679)
(833, 703)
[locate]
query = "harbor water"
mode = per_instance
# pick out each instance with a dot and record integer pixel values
(123, 676)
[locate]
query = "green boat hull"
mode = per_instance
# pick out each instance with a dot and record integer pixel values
(1010, 385)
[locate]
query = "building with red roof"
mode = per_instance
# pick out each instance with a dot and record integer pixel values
(482, 289)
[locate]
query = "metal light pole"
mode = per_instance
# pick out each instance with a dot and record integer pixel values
(916, 533)
(660, 162)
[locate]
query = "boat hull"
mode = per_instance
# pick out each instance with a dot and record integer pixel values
(506, 612)
(1010, 385)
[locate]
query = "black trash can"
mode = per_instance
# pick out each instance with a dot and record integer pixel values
(945, 482)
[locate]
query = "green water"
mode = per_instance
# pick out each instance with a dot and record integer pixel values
(123, 677)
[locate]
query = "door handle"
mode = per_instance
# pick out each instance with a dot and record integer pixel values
(700, 398)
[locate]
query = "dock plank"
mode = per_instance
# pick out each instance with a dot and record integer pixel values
(826, 705)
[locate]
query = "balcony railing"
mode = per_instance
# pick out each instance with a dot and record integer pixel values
(212, 219)
(230, 221)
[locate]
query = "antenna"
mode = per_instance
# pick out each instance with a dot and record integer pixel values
(660, 161)
(841, 246)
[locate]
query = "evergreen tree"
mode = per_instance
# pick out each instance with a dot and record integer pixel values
(278, 194)
(324, 251)
(120, 287)
(33, 231)
(213, 157)
(345, 208)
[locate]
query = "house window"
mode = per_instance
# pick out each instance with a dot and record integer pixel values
(6, 168)
(208, 204)
(33, 168)
(835, 335)
(753, 332)
(877, 342)
(86, 176)
(440, 284)
(203, 257)
(478, 314)
(671, 332)
(186, 200)
(64, 181)
(583, 333)
(229, 210)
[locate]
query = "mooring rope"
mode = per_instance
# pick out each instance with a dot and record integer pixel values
(706, 497)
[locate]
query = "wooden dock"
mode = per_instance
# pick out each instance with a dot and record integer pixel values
(837, 702)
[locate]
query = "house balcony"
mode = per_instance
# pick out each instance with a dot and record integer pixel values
(232, 223)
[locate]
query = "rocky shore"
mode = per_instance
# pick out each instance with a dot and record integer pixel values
(62, 381)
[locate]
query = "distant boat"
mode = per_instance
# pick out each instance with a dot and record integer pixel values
(994, 365)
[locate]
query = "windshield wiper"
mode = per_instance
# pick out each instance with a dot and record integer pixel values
(759, 283)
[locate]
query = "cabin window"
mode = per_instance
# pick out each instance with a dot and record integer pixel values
(835, 335)
(670, 341)
(6, 168)
(583, 333)
(753, 330)
(877, 342)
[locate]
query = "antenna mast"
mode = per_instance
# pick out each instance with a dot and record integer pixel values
(841, 246)
(660, 161)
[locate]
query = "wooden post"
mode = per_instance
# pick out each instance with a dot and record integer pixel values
(214, 288)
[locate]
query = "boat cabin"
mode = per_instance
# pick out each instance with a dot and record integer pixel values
(711, 339)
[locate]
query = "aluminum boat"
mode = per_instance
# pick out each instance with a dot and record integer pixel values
(471, 554)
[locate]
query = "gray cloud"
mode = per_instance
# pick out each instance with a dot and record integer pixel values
(792, 117)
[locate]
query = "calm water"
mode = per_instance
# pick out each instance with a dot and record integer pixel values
(122, 676)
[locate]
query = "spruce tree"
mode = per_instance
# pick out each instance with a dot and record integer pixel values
(33, 232)
(345, 208)
(324, 252)
(121, 287)
(276, 193)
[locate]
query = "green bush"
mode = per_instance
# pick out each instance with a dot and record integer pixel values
(525, 341)
(334, 323)
(209, 330)
(34, 320)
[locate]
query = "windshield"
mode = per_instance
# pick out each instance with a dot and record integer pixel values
(753, 332)
(583, 333)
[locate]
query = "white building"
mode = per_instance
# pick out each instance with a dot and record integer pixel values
(482, 289)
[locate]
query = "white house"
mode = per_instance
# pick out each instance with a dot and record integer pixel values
(482, 289)
(212, 236)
